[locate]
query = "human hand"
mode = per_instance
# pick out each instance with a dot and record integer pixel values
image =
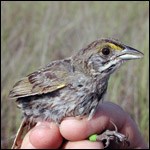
(75, 131)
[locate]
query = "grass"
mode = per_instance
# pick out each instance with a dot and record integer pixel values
(35, 33)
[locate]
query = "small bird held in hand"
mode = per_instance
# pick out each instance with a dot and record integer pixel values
(72, 87)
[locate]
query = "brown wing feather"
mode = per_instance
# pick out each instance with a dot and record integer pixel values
(43, 81)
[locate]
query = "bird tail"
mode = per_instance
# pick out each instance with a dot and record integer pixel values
(25, 126)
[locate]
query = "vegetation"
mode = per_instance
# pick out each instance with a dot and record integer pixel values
(35, 33)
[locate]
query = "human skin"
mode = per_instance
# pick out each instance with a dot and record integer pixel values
(47, 135)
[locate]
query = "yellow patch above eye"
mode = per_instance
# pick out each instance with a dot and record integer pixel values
(113, 46)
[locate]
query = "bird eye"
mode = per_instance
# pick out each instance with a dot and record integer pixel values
(105, 51)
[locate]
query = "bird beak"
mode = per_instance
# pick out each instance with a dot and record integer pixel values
(130, 53)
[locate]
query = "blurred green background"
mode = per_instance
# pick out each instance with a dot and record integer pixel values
(35, 33)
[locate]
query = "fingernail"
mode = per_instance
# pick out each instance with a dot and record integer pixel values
(39, 123)
(45, 124)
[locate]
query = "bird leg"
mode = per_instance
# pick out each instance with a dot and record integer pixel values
(108, 136)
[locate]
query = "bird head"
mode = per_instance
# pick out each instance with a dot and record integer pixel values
(102, 57)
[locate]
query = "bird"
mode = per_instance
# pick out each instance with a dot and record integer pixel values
(70, 87)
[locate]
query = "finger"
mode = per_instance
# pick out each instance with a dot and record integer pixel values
(43, 135)
(132, 132)
(83, 145)
(75, 129)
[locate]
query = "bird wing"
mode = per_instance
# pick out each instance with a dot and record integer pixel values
(49, 79)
